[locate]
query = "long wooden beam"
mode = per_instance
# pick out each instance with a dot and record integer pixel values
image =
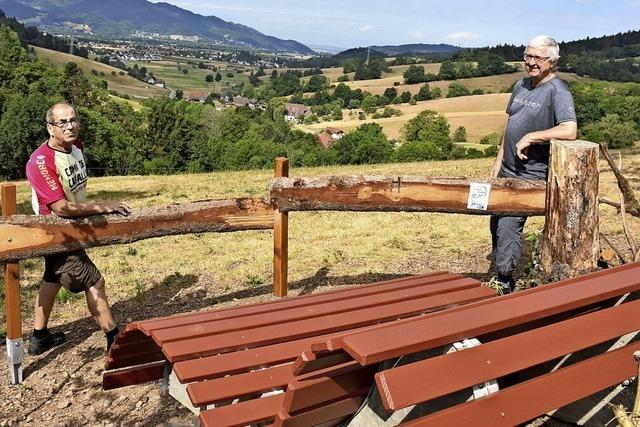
(406, 193)
(28, 236)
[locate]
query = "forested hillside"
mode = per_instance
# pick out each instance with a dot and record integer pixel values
(610, 58)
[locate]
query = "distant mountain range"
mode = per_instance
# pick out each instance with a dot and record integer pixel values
(141, 18)
(416, 49)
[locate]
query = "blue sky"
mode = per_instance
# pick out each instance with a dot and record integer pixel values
(460, 22)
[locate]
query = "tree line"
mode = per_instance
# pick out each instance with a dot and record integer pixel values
(31, 35)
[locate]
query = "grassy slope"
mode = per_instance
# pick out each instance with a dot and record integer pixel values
(479, 114)
(195, 77)
(122, 84)
(326, 248)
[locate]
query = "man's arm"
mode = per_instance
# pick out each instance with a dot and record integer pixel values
(565, 130)
(64, 208)
(497, 164)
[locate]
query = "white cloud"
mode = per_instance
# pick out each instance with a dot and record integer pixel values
(365, 28)
(418, 35)
(462, 36)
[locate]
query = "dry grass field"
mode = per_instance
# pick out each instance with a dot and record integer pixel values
(498, 83)
(479, 114)
(125, 85)
(326, 248)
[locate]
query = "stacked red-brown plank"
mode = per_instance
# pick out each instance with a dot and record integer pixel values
(520, 331)
(239, 354)
(312, 360)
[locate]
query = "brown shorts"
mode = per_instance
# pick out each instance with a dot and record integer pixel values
(73, 270)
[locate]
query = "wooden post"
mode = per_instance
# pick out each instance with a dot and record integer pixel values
(15, 345)
(280, 238)
(570, 244)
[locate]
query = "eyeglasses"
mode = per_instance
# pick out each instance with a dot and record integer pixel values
(538, 59)
(62, 124)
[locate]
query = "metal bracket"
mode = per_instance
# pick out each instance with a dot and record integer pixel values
(395, 184)
(479, 390)
(165, 378)
(15, 356)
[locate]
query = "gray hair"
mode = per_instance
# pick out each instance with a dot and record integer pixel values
(49, 116)
(553, 50)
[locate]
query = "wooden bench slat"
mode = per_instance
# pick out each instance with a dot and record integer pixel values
(210, 367)
(302, 395)
(264, 307)
(249, 383)
(310, 361)
(243, 413)
(133, 375)
(285, 316)
(204, 346)
(498, 313)
(431, 378)
(527, 400)
(336, 411)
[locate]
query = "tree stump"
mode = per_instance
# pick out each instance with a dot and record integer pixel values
(570, 244)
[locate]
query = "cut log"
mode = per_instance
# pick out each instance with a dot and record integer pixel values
(570, 244)
(406, 193)
(28, 236)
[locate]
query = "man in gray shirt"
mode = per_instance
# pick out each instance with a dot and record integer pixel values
(540, 109)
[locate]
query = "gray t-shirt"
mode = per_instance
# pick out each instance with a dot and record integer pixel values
(531, 109)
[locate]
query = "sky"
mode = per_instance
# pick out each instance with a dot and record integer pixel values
(467, 23)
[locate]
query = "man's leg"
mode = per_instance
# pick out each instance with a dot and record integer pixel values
(506, 234)
(42, 339)
(99, 306)
(44, 304)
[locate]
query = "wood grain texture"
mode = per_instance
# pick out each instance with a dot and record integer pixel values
(570, 244)
(28, 236)
(406, 193)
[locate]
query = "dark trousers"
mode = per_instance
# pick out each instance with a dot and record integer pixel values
(506, 240)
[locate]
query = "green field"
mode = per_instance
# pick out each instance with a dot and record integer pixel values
(194, 79)
(123, 84)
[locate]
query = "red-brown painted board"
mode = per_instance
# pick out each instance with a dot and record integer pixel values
(299, 301)
(132, 359)
(309, 361)
(243, 413)
(539, 395)
(205, 346)
(285, 316)
(437, 376)
(249, 383)
(304, 395)
(497, 313)
(335, 343)
(241, 361)
(333, 411)
(130, 334)
(134, 375)
(330, 371)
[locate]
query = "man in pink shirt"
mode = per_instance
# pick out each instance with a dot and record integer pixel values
(58, 176)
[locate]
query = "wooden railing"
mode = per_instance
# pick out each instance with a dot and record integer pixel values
(27, 236)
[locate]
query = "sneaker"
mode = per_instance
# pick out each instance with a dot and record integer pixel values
(502, 288)
(40, 345)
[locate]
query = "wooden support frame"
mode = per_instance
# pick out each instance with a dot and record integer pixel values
(15, 345)
(280, 238)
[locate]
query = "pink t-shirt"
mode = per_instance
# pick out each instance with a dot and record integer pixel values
(55, 175)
